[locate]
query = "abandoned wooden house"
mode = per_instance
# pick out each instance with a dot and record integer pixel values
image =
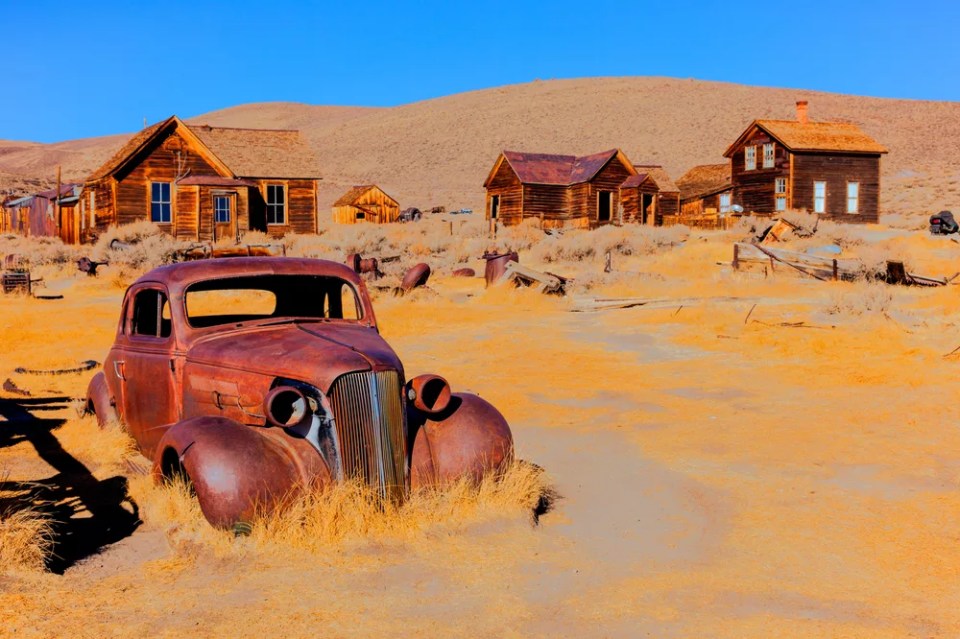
(44, 214)
(651, 207)
(367, 203)
(558, 190)
(706, 189)
(206, 183)
(828, 168)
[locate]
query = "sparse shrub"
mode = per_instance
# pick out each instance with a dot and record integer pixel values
(861, 299)
(26, 533)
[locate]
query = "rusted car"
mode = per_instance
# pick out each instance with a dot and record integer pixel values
(258, 377)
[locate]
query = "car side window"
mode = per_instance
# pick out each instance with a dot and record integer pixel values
(151, 314)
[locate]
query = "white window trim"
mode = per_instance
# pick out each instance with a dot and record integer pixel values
(216, 199)
(855, 198)
(823, 208)
(161, 202)
(772, 156)
(282, 204)
(750, 158)
(725, 207)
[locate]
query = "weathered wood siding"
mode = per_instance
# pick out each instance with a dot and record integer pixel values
(300, 212)
(185, 223)
(837, 170)
(373, 206)
(506, 184)
(632, 201)
(754, 189)
(156, 163)
(547, 202)
(584, 198)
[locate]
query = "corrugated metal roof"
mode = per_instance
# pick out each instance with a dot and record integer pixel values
(560, 170)
(635, 180)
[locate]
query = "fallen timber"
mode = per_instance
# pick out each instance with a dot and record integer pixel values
(816, 266)
(592, 304)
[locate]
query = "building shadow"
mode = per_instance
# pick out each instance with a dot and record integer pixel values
(87, 513)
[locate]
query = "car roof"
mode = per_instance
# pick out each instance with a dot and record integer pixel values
(179, 276)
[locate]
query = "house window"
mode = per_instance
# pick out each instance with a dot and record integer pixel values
(768, 155)
(853, 197)
(221, 209)
(781, 194)
(819, 197)
(93, 209)
(750, 158)
(276, 204)
(724, 202)
(160, 202)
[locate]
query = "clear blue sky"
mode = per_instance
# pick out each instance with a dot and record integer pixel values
(91, 68)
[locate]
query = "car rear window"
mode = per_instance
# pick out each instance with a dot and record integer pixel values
(235, 300)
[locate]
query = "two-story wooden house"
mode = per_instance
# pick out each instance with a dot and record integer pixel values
(828, 168)
(206, 183)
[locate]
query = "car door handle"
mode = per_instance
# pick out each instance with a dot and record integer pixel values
(118, 369)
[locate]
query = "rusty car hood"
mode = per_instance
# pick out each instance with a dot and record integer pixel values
(313, 352)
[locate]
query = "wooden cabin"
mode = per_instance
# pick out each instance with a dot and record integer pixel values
(558, 190)
(666, 202)
(705, 188)
(44, 214)
(828, 168)
(638, 195)
(366, 203)
(199, 182)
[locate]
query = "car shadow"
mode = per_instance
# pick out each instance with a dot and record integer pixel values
(87, 513)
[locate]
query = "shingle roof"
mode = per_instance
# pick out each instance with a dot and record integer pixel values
(356, 192)
(816, 136)
(259, 153)
(250, 153)
(659, 176)
(704, 180)
(129, 148)
(561, 170)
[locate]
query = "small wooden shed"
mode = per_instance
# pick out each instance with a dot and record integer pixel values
(638, 195)
(706, 187)
(366, 203)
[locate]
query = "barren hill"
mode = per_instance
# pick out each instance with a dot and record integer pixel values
(439, 151)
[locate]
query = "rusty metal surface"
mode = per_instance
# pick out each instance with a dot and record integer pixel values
(465, 272)
(561, 170)
(256, 409)
(415, 277)
(497, 265)
(469, 439)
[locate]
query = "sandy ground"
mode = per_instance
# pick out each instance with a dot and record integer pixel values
(720, 476)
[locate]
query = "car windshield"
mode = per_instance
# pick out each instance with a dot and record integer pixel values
(249, 298)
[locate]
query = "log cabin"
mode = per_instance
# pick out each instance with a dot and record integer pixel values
(367, 203)
(558, 190)
(828, 168)
(705, 187)
(199, 182)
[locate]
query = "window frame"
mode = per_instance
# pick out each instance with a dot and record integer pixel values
(855, 198)
(769, 159)
(130, 329)
(724, 208)
(161, 202)
(750, 157)
(275, 206)
(216, 210)
(822, 199)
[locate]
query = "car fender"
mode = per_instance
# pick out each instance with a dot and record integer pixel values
(99, 401)
(236, 470)
(469, 439)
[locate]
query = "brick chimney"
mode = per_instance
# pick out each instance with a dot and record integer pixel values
(802, 112)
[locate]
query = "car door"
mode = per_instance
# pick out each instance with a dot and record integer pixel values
(147, 368)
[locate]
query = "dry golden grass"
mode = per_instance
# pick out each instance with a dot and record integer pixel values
(26, 533)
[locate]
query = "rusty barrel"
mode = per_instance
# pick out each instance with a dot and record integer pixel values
(416, 276)
(497, 265)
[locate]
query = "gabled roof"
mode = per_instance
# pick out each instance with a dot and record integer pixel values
(814, 136)
(704, 180)
(656, 172)
(244, 153)
(355, 193)
(640, 178)
(558, 170)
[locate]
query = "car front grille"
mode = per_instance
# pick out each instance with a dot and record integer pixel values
(371, 429)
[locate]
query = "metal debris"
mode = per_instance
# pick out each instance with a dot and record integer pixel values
(497, 265)
(464, 272)
(415, 277)
(548, 283)
(84, 366)
(88, 266)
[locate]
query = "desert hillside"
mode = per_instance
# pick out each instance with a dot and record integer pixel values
(439, 151)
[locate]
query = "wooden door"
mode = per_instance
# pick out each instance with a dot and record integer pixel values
(225, 217)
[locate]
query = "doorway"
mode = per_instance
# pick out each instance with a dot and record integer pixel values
(604, 206)
(494, 207)
(646, 207)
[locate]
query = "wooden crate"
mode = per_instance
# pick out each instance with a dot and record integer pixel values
(13, 281)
